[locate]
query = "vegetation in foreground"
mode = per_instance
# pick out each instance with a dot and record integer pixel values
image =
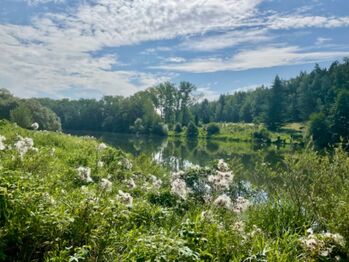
(64, 198)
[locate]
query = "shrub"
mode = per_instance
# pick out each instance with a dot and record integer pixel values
(192, 130)
(178, 128)
(212, 129)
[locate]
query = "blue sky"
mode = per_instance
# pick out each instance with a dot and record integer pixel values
(90, 48)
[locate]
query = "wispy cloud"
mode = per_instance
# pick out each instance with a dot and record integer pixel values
(262, 57)
(227, 39)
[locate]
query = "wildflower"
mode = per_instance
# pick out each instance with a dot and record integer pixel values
(223, 201)
(156, 182)
(179, 188)
(2, 145)
(241, 204)
(131, 183)
(53, 151)
(125, 163)
(222, 180)
(35, 126)
(222, 166)
(100, 164)
(336, 238)
(101, 147)
(178, 175)
(239, 226)
(84, 174)
(125, 198)
(49, 198)
(106, 185)
(23, 145)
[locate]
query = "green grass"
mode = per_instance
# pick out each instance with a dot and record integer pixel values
(48, 213)
(243, 132)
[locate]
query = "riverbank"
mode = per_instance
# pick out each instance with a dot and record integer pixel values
(67, 198)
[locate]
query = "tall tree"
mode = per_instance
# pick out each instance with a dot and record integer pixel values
(275, 111)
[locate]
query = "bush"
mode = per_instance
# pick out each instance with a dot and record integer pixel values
(261, 136)
(319, 131)
(160, 129)
(192, 130)
(212, 129)
(178, 128)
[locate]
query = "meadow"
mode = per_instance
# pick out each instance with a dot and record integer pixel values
(67, 198)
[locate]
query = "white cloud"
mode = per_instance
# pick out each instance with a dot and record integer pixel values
(175, 59)
(263, 57)
(301, 21)
(322, 40)
(227, 39)
(207, 93)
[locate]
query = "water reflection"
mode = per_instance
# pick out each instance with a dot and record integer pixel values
(178, 154)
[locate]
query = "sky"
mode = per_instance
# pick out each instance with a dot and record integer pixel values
(90, 48)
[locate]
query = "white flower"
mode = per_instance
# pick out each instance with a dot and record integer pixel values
(35, 126)
(23, 145)
(222, 166)
(336, 238)
(179, 188)
(239, 226)
(222, 180)
(131, 183)
(106, 184)
(101, 147)
(125, 163)
(156, 182)
(125, 198)
(53, 151)
(2, 145)
(100, 164)
(241, 204)
(178, 175)
(223, 201)
(84, 174)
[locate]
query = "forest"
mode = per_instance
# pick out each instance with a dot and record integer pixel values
(320, 98)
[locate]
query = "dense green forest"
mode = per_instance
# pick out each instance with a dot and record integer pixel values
(321, 96)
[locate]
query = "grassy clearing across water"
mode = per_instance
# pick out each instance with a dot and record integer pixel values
(64, 198)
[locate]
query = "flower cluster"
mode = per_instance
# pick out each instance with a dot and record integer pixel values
(156, 182)
(223, 201)
(106, 184)
(223, 178)
(125, 198)
(179, 188)
(322, 244)
(241, 204)
(101, 147)
(125, 163)
(131, 183)
(2, 145)
(23, 145)
(84, 174)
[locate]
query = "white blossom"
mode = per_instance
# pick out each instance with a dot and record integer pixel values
(101, 147)
(131, 183)
(106, 185)
(156, 182)
(35, 126)
(239, 226)
(179, 188)
(2, 145)
(125, 198)
(241, 204)
(222, 180)
(125, 163)
(53, 151)
(23, 145)
(84, 174)
(100, 164)
(178, 175)
(222, 166)
(223, 201)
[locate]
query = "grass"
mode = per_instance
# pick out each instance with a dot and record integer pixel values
(243, 132)
(49, 212)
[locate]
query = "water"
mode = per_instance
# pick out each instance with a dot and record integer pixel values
(180, 153)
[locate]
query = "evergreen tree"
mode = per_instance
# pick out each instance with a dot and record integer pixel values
(275, 110)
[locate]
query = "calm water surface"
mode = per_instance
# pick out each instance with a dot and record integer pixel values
(176, 153)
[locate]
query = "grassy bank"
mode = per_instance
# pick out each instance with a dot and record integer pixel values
(64, 198)
(242, 132)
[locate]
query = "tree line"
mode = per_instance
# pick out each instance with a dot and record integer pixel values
(320, 96)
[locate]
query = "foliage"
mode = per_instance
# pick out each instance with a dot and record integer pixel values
(192, 130)
(178, 128)
(212, 129)
(48, 212)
